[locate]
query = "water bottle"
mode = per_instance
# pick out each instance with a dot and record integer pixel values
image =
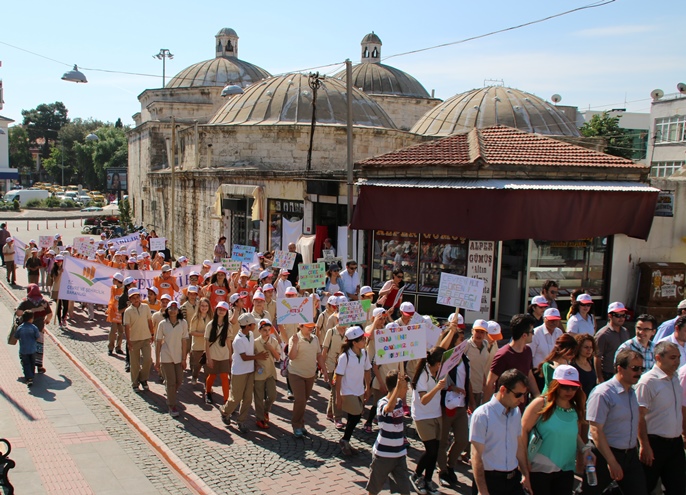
(591, 476)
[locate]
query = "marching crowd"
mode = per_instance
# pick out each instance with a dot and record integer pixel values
(550, 403)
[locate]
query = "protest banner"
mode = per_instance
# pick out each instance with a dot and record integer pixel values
(394, 345)
(231, 265)
(451, 358)
(294, 310)
(130, 243)
(45, 241)
(460, 292)
(157, 243)
(351, 312)
(311, 275)
(283, 259)
(244, 254)
(19, 252)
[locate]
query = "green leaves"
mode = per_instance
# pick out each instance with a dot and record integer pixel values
(618, 141)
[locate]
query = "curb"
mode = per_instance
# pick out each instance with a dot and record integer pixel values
(192, 481)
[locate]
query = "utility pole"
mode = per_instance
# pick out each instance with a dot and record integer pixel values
(173, 180)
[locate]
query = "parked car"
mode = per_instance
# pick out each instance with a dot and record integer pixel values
(25, 195)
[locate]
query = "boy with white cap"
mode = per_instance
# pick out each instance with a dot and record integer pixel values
(331, 349)
(265, 373)
(116, 335)
(139, 331)
(281, 284)
(258, 310)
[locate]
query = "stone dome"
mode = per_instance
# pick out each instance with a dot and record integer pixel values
(495, 105)
(380, 79)
(287, 99)
(225, 68)
(371, 38)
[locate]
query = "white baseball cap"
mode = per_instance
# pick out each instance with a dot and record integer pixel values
(291, 290)
(494, 331)
(540, 301)
(567, 375)
(222, 305)
(460, 319)
(552, 314)
(480, 325)
(364, 290)
(378, 312)
(584, 299)
(353, 333)
(407, 308)
(616, 307)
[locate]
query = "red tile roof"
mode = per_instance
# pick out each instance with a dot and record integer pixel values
(497, 145)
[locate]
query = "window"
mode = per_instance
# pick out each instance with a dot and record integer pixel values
(670, 129)
(665, 169)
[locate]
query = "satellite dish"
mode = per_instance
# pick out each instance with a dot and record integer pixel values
(656, 94)
(556, 98)
(681, 88)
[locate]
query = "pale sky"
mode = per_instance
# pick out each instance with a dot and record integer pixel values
(603, 58)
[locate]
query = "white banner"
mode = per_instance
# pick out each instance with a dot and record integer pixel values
(460, 292)
(130, 242)
(157, 243)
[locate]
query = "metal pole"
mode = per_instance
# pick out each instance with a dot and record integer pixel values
(164, 71)
(349, 129)
(173, 180)
(62, 153)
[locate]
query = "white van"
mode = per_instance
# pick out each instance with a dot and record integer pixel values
(26, 195)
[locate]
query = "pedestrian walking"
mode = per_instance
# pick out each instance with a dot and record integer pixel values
(608, 339)
(114, 317)
(4, 235)
(198, 324)
(667, 328)
(646, 325)
(27, 334)
(543, 341)
(217, 352)
(8, 253)
(139, 335)
(265, 373)
(583, 361)
(562, 352)
(480, 352)
(33, 265)
(62, 305)
(331, 350)
(582, 319)
(42, 314)
(678, 338)
(171, 340)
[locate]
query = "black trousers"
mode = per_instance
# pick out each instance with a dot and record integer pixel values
(633, 482)
(669, 464)
(500, 483)
(560, 482)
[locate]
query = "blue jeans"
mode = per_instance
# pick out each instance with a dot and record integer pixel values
(28, 364)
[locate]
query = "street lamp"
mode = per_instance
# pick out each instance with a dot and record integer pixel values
(163, 55)
(74, 75)
(92, 137)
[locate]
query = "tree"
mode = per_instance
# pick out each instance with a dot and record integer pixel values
(618, 141)
(76, 164)
(111, 150)
(44, 122)
(20, 155)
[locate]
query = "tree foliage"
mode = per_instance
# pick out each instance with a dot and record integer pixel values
(618, 141)
(20, 155)
(44, 122)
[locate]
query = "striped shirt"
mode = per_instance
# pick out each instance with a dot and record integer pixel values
(390, 441)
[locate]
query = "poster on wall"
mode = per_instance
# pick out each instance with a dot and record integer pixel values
(117, 179)
(480, 260)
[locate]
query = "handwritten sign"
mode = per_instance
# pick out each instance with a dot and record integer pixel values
(329, 254)
(81, 239)
(432, 335)
(311, 275)
(460, 292)
(394, 345)
(244, 254)
(231, 265)
(86, 249)
(294, 310)
(157, 243)
(351, 312)
(45, 241)
(451, 358)
(283, 259)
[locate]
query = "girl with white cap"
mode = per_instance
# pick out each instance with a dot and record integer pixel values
(171, 339)
(62, 306)
(116, 335)
(218, 351)
(196, 329)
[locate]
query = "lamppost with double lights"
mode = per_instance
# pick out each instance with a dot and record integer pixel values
(163, 55)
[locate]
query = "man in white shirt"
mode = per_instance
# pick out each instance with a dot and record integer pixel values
(543, 341)
(350, 281)
(678, 338)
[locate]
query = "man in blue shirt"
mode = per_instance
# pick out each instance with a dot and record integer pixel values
(667, 328)
(642, 343)
(27, 334)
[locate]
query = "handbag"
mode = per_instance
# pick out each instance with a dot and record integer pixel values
(284, 367)
(535, 442)
(12, 336)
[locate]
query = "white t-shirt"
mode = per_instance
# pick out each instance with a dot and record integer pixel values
(243, 344)
(352, 368)
(431, 410)
(172, 339)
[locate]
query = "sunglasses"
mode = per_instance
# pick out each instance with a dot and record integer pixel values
(637, 368)
(569, 388)
(587, 305)
(517, 395)
(618, 315)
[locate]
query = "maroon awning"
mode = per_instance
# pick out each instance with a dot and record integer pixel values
(495, 210)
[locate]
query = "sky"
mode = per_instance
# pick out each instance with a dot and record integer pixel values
(601, 58)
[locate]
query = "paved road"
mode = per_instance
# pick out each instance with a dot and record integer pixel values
(261, 462)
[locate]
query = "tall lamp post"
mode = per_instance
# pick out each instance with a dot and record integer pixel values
(163, 55)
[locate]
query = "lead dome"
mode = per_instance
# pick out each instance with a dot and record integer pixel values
(226, 68)
(495, 105)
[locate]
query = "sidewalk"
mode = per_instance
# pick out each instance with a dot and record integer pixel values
(56, 429)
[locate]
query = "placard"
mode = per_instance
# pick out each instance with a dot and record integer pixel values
(460, 292)
(81, 239)
(157, 243)
(480, 263)
(311, 275)
(283, 259)
(86, 249)
(244, 254)
(231, 265)
(433, 333)
(351, 312)
(294, 310)
(328, 254)
(394, 345)
(451, 358)
(45, 241)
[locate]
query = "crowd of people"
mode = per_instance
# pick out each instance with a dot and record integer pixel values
(551, 403)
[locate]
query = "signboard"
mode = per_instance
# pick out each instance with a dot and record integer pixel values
(665, 204)
(351, 312)
(81, 239)
(244, 254)
(394, 345)
(283, 259)
(329, 254)
(480, 266)
(451, 358)
(117, 179)
(231, 265)
(311, 275)
(86, 249)
(45, 241)
(157, 243)
(294, 310)
(130, 242)
(460, 292)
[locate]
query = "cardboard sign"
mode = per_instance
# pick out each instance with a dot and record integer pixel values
(81, 239)
(231, 265)
(45, 241)
(311, 275)
(157, 243)
(351, 312)
(460, 292)
(451, 358)
(244, 254)
(433, 333)
(283, 259)
(329, 254)
(294, 310)
(394, 345)
(86, 249)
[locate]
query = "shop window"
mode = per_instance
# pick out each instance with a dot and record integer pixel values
(281, 214)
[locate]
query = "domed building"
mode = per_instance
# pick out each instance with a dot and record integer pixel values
(495, 105)
(401, 95)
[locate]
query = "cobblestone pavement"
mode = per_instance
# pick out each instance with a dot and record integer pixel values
(259, 462)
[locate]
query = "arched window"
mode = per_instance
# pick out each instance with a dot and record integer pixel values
(229, 46)
(366, 52)
(375, 53)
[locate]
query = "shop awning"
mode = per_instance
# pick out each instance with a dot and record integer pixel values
(240, 190)
(9, 173)
(501, 209)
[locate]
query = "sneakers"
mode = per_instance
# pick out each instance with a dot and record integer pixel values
(110, 352)
(262, 424)
(135, 386)
(243, 428)
(173, 412)
(432, 488)
(339, 425)
(346, 449)
(447, 478)
(367, 428)
(419, 484)
(145, 385)
(29, 382)
(298, 433)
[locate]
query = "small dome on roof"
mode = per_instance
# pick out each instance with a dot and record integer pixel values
(495, 105)
(227, 32)
(381, 79)
(287, 99)
(371, 38)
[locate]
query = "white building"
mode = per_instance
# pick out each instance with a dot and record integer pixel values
(7, 174)
(667, 148)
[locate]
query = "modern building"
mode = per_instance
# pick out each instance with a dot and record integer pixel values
(667, 147)
(7, 174)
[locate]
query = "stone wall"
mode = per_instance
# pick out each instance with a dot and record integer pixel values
(405, 111)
